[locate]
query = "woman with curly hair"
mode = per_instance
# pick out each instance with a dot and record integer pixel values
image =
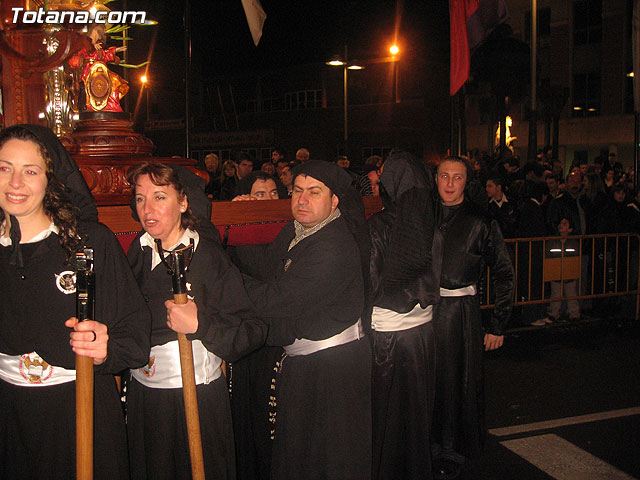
(171, 205)
(47, 214)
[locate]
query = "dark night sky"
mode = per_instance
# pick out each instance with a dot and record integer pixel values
(295, 32)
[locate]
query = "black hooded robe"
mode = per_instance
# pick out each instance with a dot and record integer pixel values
(471, 241)
(405, 272)
(158, 441)
(323, 421)
(37, 425)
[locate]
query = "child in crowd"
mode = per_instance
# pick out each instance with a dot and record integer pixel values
(566, 288)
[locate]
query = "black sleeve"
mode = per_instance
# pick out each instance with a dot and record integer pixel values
(227, 323)
(252, 260)
(311, 278)
(502, 279)
(379, 234)
(120, 305)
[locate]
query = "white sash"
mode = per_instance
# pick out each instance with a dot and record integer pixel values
(30, 370)
(469, 290)
(303, 346)
(383, 320)
(163, 369)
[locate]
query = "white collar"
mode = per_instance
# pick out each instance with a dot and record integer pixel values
(147, 240)
(501, 201)
(6, 241)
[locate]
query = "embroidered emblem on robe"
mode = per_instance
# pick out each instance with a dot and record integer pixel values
(34, 369)
(149, 370)
(66, 282)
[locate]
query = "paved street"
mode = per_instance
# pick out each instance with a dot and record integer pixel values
(563, 402)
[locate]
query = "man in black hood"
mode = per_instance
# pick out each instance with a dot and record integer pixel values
(312, 299)
(405, 284)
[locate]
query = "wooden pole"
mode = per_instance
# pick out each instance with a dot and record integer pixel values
(84, 418)
(177, 268)
(85, 296)
(190, 399)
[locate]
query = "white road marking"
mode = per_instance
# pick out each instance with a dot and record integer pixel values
(562, 459)
(561, 422)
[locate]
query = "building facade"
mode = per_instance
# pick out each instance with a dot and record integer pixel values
(584, 60)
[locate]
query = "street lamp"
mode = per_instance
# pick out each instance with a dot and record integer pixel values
(144, 79)
(337, 61)
(344, 63)
(394, 50)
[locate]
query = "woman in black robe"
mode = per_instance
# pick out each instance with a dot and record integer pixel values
(47, 214)
(174, 212)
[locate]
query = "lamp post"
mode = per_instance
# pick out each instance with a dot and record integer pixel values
(344, 63)
(396, 93)
(144, 79)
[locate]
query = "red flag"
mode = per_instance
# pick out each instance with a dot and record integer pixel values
(459, 12)
(471, 22)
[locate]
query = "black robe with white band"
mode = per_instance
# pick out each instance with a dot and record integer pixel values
(472, 241)
(158, 442)
(37, 424)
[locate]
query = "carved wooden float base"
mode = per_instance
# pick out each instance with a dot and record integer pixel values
(104, 146)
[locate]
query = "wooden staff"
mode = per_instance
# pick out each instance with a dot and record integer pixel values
(85, 301)
(177, 267)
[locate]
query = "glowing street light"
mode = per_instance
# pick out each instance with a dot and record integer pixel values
(336, 61)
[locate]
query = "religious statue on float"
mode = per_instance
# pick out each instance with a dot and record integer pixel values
(103, 88)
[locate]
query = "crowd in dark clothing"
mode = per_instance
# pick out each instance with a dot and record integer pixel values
(603, 199)
(531, 201)
(355, 346)
(225, 179)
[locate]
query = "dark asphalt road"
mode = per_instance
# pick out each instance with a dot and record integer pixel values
(557, 373)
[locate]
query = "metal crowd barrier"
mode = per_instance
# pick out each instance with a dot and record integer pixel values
(602, 266)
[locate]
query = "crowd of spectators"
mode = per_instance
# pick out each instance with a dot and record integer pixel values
(540, 199)
(226, 180)
(528, 200)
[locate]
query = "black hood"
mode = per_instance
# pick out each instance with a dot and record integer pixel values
(340, 183)
(350, 204)
(403, 172)
(66, 171)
